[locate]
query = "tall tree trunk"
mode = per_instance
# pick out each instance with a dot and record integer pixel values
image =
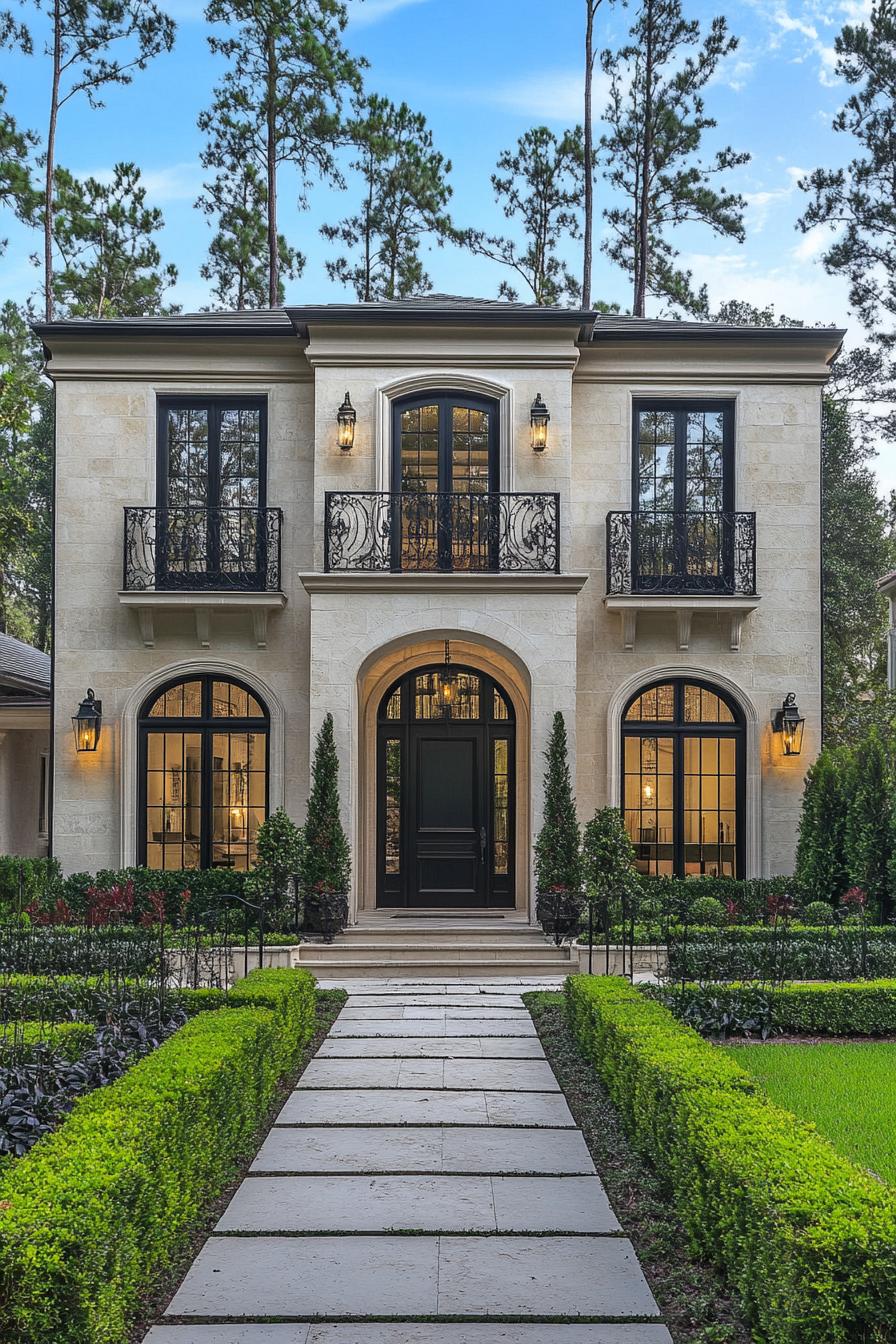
(49, 308)
(642, 258)
(271, 119)
(368, 218)
(588, 228)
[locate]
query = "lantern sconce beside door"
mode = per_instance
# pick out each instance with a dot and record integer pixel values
(87, 723)
(345, 420)
(539, 419)
(789, 723)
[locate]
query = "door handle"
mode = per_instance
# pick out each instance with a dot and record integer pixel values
(483, 841)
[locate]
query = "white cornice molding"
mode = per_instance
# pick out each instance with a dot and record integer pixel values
(434, 584)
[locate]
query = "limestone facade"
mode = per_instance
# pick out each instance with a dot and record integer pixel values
(340, 639)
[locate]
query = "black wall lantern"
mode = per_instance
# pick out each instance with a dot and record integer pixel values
(345, 419)
(788, 723)
(539, 419)
(447, 685)
(87, 723)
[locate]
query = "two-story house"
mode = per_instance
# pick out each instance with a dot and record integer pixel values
(442, 520)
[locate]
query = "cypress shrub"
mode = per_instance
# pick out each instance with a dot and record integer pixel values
(821, 867)
(557, 859)
(869, 823)
(326, 860)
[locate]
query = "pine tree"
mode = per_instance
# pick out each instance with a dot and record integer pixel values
(869, 823)
(859, 201)
(538, 186)
(405, 192)
(557, 857)
(92, 44)
(16, 191)
(280, 102)
(237, 263)
(651, 153)
(821, 865)
(105, 234)
(326, 860)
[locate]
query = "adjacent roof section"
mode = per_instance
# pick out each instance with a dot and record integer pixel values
(23, 668)
(456, 309)
(887, 584)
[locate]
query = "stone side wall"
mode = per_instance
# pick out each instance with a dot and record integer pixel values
(777, 444)
(20, 752)
(106, 458)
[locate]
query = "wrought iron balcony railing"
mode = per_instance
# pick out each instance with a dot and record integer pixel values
(372, 531)
(672, 553)
(219, 550)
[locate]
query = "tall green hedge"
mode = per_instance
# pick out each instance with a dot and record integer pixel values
(98, 1209)
(864, 1008)
(807, 1239)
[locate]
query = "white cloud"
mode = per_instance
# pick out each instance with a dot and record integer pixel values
(363, 13)
(553, 95)
(813, 243)
(176, 182)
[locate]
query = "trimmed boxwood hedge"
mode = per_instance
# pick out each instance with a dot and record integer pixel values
(863, 1008)
(97, 1209)
(69, 1039)
(798, 952)
(48, 996)
(807, 1239)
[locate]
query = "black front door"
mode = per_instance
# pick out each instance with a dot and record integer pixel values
(445, 793)
(446, 821)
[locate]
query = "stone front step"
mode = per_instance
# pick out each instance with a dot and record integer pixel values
(346, 967)
(395, 952)
(424, 1332)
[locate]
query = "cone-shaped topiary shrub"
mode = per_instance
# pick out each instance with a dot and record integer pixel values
(557, 858)
(326, 860)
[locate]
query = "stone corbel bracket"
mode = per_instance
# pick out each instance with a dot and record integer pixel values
(203, 605)
(734, 610)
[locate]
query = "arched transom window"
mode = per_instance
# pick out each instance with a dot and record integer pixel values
(203, 766)
(682, 780)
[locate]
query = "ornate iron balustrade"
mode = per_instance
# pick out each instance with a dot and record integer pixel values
(220, 550)
(672, 553)
(373, 531)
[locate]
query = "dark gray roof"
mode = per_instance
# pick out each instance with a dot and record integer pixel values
(442, 308)
(23, 667)
(620, 326)
(259, 322)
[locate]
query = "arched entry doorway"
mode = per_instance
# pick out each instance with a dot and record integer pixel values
(445, 775)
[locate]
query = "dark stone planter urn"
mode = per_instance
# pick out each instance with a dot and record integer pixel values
(326, 913)
(560, 913)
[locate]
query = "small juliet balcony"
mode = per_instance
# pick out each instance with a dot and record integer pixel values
(441, 532)
(683, 562)
(202, 560)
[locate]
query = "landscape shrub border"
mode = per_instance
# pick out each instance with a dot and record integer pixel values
(92, 1213)
(835, 1008)
(69, 1039)
(807, 1238)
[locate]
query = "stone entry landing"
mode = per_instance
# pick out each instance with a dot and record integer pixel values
(428, 1170)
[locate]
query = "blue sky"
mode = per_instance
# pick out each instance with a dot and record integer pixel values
(483, 71)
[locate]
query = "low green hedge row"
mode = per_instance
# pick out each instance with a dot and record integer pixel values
(807, 1239)
(92, 1214)
(863, 1008)
(796, 952)
(49, 996)
(69, 1039)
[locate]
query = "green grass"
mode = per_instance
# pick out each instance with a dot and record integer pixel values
(847, 1090)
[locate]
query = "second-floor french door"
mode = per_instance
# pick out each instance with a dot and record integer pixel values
(683, 494)
(211, 492)
(445, 480)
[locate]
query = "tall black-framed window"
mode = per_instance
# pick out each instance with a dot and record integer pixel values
(683, 493)
(683, 780)
(203, 774)
(445, 479)
(211, 490)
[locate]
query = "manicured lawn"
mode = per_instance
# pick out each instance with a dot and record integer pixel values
(847, 1091)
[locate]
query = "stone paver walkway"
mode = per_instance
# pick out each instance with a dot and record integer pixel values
(427, 1170)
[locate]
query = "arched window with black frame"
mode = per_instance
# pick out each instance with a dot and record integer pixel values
(203, 774)
(683, 779)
